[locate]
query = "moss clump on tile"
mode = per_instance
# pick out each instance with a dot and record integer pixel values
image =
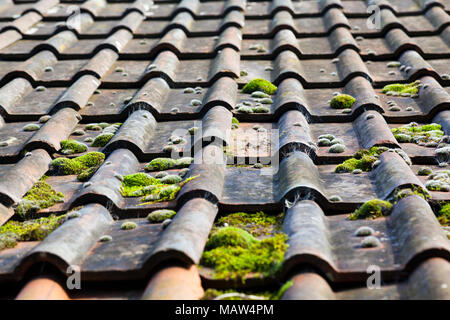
(439, 181)
(372, 209)
(242, 244)
(161, 164)
(40, 196)
(258, 223)
(234, 123)
(362, 159)
(259, 85)
(407, 89)
(149, 188)
(102, 139)
(443, 215)
(342, 101)
(128, 225)
(428, 134)
(31, 230)
(84, 166)
(400, 193)
(158, 216)
(235, 254)
(72, 146)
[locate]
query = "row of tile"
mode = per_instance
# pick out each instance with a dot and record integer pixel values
(326, 244)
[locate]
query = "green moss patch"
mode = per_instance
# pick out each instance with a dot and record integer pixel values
(72, 146)
(31, 230)
(149, 188)
(372, 209)
(396, 89)
(258, 224)
(102, 139)
(259, 85)
(342, 101)
(439, 181)
(443, 215)
(40, 196)
(428, 134)
(362, 160)
(84, 166)
(158, 216)
(401, 193)
(240, 244)
(160, 164)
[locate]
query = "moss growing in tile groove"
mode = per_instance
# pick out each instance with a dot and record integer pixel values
(259, 84)
(31, 230)
(372, 209)
(342, 101)
(443, 215)
(84, 166)
(158, 216)
(40, 196)
(408, 89)
(362, 159)
(439, 181)
(72, 146)
(161, 164)
(257, 223)
(102, 139)
(151, 189)
(245, 245)
(424, 134)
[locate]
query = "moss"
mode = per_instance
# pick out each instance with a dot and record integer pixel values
(171, 179)
(151, 189)
(257, 223)
(364, 231)
(105, 238)
(31, 230)
(424, 171)
(337, 148)
(443, 215)
(234, 122)
(31, 127)
(72, 146)
(84, 166)
(430, 134)
(128, 225)
(160, 215)
(411, 88)
(261, 257)
(40, 196)
(370, 242)
(400, 193)
(342, 101)
(160, 164)
(102, 139)
(229, 236)
(372, 209)
(362, 159)
(282, 290)
(259, 85)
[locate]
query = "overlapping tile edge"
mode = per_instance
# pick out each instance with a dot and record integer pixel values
(198, 200)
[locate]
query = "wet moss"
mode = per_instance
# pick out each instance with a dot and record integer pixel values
(84, 166)
(72, 146)
(259, 85)
(342, 101)
(362, 159)
(31, 230)
(40, 196)
(372, 209)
